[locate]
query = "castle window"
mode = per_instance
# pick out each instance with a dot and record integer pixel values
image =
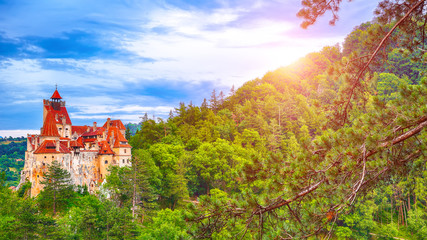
(52, 156)
(60, 129)
(125, 150)
(38, 176)
(106, 162)
(123, 160)
(44, 156)
(66, 129)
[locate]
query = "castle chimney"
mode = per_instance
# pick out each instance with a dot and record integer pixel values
(94, 126)
(113, 140)
(108, 123)
(88, 129)
(29, 148)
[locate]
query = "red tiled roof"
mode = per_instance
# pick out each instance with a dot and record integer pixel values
(63, 148)
(105, 148)
(56, 95)
(30, 140)
(79, 129)
(115, 123)
(49, 126)
(89, 140)
(119, 139)
(76, 143)
(62, 112)
(49, 146)
(98, 131)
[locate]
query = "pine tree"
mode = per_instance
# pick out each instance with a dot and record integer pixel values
(232, 91)
(57, 187)
(143, 194)
(130, 187)
(170, 114)
(204, 104)
(214, 101)
(144, 118)
(221, 98)
(127, 133)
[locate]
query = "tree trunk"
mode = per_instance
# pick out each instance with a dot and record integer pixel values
(409, 202)
(405, 208)
(398, 216)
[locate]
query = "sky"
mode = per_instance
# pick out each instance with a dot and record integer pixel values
(124, 58)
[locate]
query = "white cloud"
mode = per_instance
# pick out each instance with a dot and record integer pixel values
(18, 133)
(222, 47)
(227, 55)
(26, 101)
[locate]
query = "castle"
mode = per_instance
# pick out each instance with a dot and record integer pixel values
(85, 152)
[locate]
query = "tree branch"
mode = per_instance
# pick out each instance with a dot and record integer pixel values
(282, 202)
(359, 75)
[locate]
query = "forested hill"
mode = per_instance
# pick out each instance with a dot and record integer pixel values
(266, 147)
(309, 149)
(12, 155)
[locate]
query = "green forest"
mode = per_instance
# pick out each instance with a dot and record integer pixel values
(12, 155)
(332, 146)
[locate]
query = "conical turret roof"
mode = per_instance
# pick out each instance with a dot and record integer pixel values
(56, 95)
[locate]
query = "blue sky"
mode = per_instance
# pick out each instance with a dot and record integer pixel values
(120, 59)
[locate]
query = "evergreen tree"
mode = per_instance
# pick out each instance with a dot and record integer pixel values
(143, 196)
(127, 133)
(130, 187)
(170, 114)
(232, 91)
(57, 187)
(221, 98)
(214, 101)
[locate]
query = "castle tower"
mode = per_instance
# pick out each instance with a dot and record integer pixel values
(86, 152)
(57, 107)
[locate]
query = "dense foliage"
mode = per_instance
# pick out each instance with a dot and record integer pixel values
(317, 148)
(12, 153)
